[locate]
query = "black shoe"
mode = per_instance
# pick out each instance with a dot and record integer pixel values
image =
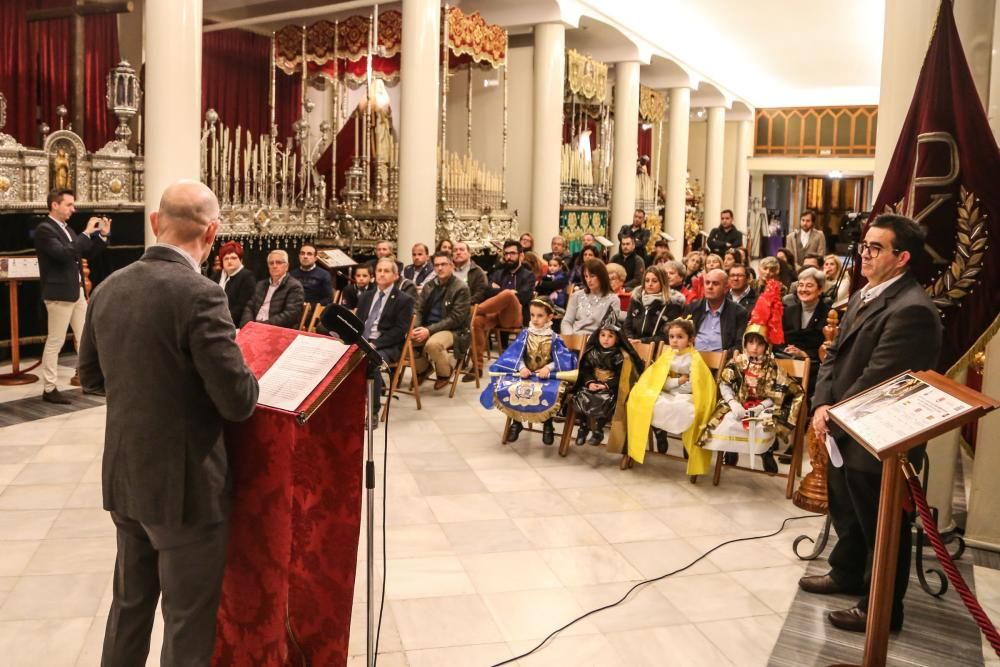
(855, 619)
(825, 584)
(54, 396)
(596, 436)
(581, 435)
(731, 458)
(95, 392)
(661, 441)
(514, 431)
(770, 465)
(548, 432)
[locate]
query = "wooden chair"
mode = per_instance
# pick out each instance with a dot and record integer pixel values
(466, 360)
(715, 361)
(407, 359)
(306, 312)
(576, 343)
(314, 319)
(797, 369)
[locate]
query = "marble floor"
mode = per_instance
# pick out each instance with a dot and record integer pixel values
(490, 548)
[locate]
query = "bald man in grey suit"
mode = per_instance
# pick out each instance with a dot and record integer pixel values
(160, 340)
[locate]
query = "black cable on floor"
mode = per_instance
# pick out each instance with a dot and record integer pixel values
(385, 481)
(654, 580)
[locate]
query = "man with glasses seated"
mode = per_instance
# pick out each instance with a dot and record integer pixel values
(277, 300)
(442, 321)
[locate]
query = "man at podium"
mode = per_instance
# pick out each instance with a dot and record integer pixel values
(159, 339)
(891, 326)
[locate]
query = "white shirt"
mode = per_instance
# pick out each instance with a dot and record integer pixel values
(265, 307)
(868, 293)
(804, 237)
(183, 253)
(374, 333)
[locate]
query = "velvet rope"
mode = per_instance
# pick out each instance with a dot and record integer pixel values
(954, 576)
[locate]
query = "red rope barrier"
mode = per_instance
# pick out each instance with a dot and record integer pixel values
(954, 576)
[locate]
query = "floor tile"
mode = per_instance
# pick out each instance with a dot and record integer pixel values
(53, 643)
(550, 532)
(445, 621)
(580, 566)
(630, 526)
(426, 578)
(54, 596)
(510, 571)
(686, 646)
(524, 615)
(491, 536)
(465, 507)
(711, 597)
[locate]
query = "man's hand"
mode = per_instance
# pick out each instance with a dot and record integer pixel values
(795, 352)
(543, 373)
(819, 421)
(92, 225)
(524, 373)
(495, 286)
(105, 226)
(420, 334)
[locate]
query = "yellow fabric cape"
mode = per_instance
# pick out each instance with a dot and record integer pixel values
(643, 396)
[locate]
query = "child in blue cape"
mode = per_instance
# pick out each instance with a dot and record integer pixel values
(523, 382)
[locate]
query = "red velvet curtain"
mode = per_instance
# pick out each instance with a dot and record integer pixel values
(17, 72)
(645, 142)
(234, 82)
(50, 43)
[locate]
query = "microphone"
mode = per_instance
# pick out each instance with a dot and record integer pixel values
(350, 328)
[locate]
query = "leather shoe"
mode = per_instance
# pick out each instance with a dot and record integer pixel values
(548, 432)
(95, 392)
(824, 584)
(470, 376)
(770, 465)
(596, 437)
(514, 431)
(581, 435)
(731, 458)
(855, 619)
(661, 441)
(54, 396)
(441, 383)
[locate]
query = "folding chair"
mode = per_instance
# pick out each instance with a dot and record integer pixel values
(306, 311)
(407, 359)
(466, 360)
(797, 369)
(314, 320)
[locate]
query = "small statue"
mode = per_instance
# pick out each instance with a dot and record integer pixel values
(61, 165)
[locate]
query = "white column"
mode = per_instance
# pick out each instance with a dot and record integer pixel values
(677, 154)
(418, 123)
(715, 154)
(172, 122)
(626, 146)
(741, 196)
(550, 65)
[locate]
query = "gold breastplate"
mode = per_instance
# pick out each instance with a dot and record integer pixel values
(538, 352)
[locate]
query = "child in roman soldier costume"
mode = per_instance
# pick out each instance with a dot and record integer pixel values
(676, 394)
(608, 368)
(756, 398)
(523, 383)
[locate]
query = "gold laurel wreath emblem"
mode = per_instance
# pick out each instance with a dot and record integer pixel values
(955, 283)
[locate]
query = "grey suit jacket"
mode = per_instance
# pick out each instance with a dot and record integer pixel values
(899, 330)
(815, 245)
(161, 342)
(285, 309)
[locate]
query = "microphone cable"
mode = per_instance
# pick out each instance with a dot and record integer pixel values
(385, 481)
(654, 580)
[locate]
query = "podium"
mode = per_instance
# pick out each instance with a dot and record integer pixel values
(288, 588)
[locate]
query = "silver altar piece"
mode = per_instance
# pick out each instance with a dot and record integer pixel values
(123, 98)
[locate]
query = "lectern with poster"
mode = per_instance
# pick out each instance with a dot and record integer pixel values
(889, 420)
(288, 588)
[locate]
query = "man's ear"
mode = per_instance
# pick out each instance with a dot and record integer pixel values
(154, 223)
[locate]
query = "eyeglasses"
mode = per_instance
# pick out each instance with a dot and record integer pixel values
(276, 262)
(873, 249)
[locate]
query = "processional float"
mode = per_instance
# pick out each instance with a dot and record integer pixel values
(335, 180)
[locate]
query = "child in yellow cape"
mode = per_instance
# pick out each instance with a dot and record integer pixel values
(678, 387)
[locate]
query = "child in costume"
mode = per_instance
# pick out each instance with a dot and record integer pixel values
(757, 398)
(523, 382)
(603, 379)
(675, 394)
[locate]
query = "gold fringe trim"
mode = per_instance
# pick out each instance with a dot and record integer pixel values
(533, 417)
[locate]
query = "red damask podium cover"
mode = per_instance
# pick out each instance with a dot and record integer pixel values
(288, 588)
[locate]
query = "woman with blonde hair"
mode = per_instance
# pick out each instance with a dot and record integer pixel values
(652, 305)
(831, 269)
(713, 261)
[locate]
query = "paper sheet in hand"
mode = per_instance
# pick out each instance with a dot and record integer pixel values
(298, 370)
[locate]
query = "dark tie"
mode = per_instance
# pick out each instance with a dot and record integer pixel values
(373, 314)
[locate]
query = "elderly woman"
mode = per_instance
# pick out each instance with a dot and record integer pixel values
(769, 268)
(803, 321)
(617, 275)
(831, 269)
(586, 307)
(234, 278)
(652, 305)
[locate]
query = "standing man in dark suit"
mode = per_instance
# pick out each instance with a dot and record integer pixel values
(891, 326)
(719, 321)
(387, 312)
(160, 341)
(725, 236)
(235, 278)
(277, 300)
(60, 250)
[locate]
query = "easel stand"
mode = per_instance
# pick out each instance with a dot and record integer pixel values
(890, 514)
(16, 376)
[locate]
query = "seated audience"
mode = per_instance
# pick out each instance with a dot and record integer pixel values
(445, 245)
(420, 271)
(718, 322)
(315, 279)
(387, 313)
(630, 258)
(527, 242)
(740, 289)
(383, 249)
(554, 283)
(559, 250)
(836, 294)
(535, 263)
(441, 322)
(469, 272)
(713, 261)
(638, 232)
(587, 306)
(235, 279)
(361, 282)
(278, 300)
(576, 273)
(661, 252)
(786, 267)
(652, 305)
(511, 287)
(693, 263)
(803, 321)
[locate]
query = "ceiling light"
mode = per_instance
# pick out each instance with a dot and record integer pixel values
(836, 173)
